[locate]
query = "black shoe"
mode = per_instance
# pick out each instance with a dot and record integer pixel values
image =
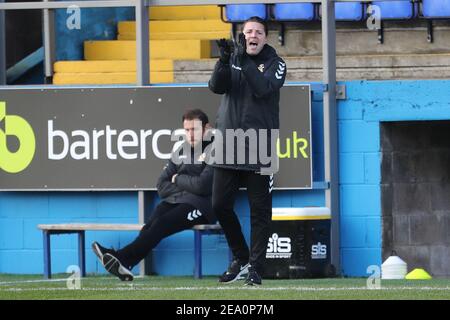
(111, 263)
(253, 278)
(100, 251)
(113, 266)
(236, 271)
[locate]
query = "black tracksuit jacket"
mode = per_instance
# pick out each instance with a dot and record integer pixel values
(251, 94)
(193, 185)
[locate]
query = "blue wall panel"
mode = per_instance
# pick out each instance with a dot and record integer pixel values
(58, 205)
(359, 136)
(353, 232)
(308, 198)
(360, 232)
(373, 232)
(20, 213)
(356, 260)
(23, 205)
(357, 200)
(18, 261)
(372, 163)
(11, 229)
(317, 136)
(351, 168)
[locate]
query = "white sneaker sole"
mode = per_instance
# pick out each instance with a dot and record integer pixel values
(97, 251)
(113, 266)
(240, 275)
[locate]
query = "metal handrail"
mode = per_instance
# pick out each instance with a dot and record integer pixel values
(152, 3)
(66, 4)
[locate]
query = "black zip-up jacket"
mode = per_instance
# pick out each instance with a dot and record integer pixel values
(193, 184)
(251, 95)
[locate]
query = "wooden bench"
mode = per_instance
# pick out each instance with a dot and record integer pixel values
(80, 228)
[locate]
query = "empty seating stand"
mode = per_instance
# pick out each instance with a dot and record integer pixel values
(344, 11)
(395, 10)
(241, 12)
(347, 11)
(435, 9)
(432, 10)
(293, 11)
(283, 12)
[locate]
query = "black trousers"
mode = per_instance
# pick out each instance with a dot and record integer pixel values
(226, 184)
(166, 219)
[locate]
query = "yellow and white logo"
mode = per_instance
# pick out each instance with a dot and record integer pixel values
(14, 162)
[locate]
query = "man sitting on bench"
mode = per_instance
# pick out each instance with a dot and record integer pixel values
(185, 188)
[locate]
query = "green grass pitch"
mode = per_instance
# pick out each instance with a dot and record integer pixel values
(173, 288)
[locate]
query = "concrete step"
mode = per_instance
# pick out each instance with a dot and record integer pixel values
(362, 41)
(374, 61)
(109, 72)
(349, 67)
(306, 68)
(159, 49)
(184, 12)
(182, 29)
(178, 26)
(81, 78)
(109, 66)
(178, 35)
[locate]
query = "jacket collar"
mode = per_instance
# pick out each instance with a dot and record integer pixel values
(266, 53)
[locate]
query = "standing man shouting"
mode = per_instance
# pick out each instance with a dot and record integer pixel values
(249, 74)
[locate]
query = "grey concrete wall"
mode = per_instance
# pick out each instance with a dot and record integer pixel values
(416, 194)
(399, 38)
(350, 67)
(405, 54)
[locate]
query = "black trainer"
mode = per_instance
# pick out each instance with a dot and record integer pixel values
(236, 271)
(253, 278)
(113, 266)
(100, 251)
(111, 263)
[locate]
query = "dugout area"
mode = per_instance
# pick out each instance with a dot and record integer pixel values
(377, 156)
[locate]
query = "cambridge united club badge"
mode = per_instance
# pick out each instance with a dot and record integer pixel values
(261, 67)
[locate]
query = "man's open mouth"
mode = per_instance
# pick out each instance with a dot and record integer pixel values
(253, 44)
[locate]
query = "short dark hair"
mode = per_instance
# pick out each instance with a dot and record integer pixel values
(259, 20)
(194, 114)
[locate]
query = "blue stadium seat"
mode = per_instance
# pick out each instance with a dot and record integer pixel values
(347, 11)
(436, 8)
(396, 9)
(293, 11)
(283, 12)
(350, 11)
(241, 12)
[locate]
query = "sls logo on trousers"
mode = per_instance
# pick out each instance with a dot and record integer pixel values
(14, 162)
